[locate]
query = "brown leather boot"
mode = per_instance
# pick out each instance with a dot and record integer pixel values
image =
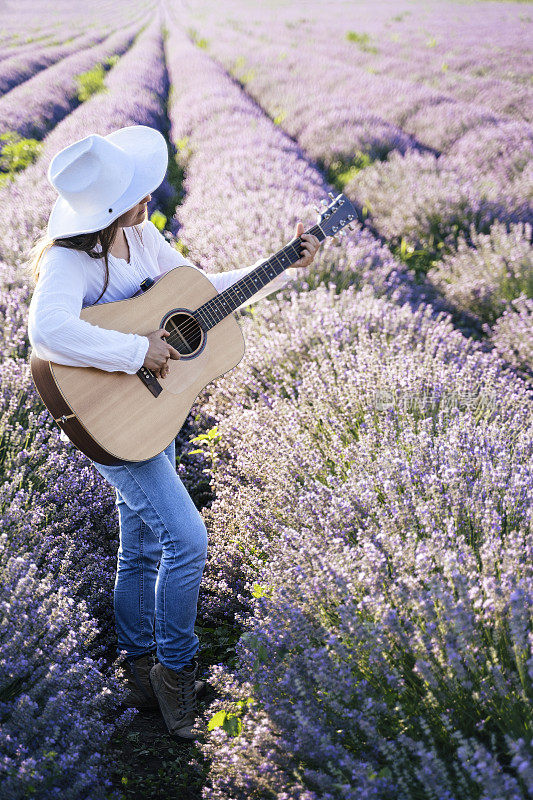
(140, 693)
(176, 695)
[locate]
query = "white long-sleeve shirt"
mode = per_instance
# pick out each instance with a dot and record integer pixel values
(71, 280)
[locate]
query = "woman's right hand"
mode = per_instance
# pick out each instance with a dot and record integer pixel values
(158, 350)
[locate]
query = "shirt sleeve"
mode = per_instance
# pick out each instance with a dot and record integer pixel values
(57, 333)
(169, 257)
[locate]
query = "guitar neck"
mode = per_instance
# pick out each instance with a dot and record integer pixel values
(228, 301)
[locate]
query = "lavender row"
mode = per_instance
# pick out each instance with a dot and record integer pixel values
(38, 104)
(27, 201)
(52, 22)
(45, 39)
(276, 78)
(244, 538)
(481, 222)
(57, 557)
(53, 696)
(262, 159)
(59, 518)
(500, 150)
(22, 27)
(512, 334)
(16, 70)
(224, 188)
(486, 276)
(414, 197)
(383, 527)
(460, 53)
(19, 64)
(320, 38)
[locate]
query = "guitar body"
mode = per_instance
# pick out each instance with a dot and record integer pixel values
(113, 416)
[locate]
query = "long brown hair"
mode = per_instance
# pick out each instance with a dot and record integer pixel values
(83, 241)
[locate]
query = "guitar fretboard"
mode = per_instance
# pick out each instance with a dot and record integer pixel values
(226, 302)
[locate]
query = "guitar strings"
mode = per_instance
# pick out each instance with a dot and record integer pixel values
(191, 325)
(245, 280)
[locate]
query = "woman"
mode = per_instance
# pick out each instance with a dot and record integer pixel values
(99, 247)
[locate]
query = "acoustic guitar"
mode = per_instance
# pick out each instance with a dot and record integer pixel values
(114, 417)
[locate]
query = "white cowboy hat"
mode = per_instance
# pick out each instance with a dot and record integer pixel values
(100, 177)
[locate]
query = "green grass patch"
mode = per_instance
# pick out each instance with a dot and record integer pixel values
(40, 38)
(198, 40)
(16, 154)
(237, 71)
(362, 40)
(421, 260)
(341, 171)
(159, 220)
(218, 643)
(92, 81)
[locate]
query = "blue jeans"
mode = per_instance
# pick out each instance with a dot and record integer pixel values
(158, 522)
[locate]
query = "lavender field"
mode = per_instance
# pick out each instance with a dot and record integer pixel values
(365, 473)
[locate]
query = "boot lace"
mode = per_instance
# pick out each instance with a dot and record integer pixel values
(186, 692)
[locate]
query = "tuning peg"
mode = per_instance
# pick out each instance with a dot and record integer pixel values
(317, 209)
(324, 203)
(330, 194)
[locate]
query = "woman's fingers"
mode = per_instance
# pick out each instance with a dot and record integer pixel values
(310, 242)
(173, 353)
(309, 249)
(309, 246)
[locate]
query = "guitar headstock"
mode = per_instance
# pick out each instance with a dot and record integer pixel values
(336, 216)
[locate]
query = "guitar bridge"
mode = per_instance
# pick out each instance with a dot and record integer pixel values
(149, 380)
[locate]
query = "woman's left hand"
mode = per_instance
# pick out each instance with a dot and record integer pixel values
(310, 245)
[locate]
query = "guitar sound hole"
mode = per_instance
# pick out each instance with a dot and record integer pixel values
(186, 335)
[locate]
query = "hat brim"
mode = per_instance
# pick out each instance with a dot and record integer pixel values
(148, 149)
